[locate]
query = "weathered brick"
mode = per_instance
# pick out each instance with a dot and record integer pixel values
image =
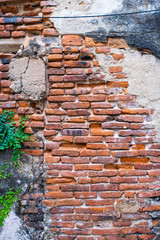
(103, 50)
(69, 202)
(48, 203)
(135, 230)
(75, 78)
(107, 111)
(132, 173)
(89, 42)
(117, 57)
(73, 57)
(132, 133)
(117, 43)
(56, 71)
(61, 85)
(76, 64)
(96, 130)
(89, 210)
(117, 84)
(69, 105)
(101, 105)
(96, 146)
(78, 91)
(128, 118)
(96, 167)
(50, 32)
(4, 34)
(66, 152)
(125, 153)
(87, 152)
(99, 118)
(118, 146)
(73, 188)
(106, 231)
(72, 160)
(115, 125)
(75, 125)
(135, 111)
(61, 98)
(55, 195)
(7, 104)
(112, 98)
(72, 40)
(135, 159)
(33, 152)
(115, 69)
(36, 27)
(103, 159)
(4, 97)
(92, 98)
(18, 34)
(88, 139)
(85, 195)
(109, 194)
(49, 133)
(77, 71)
(55, 57)
(75, 132)
(31, 20)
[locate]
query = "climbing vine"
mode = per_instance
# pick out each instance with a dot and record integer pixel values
(11, 137)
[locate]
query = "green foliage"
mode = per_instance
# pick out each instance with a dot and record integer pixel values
(6, 203)
(10, 138)
(3, 174)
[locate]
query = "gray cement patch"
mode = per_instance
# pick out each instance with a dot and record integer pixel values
(140, 30)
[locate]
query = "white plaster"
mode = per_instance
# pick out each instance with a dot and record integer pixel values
(144, 81)
(12, 229)
(143, 73)
(80, 8)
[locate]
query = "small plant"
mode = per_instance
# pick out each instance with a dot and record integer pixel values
(3, 173)
(6, 203)
(10, 138)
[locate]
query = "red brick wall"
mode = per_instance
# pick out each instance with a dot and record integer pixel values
(98, 150)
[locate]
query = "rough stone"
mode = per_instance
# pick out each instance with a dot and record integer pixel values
(26, 176)
(32, 47)
(157, 237)
(22, 176)
(127, 206)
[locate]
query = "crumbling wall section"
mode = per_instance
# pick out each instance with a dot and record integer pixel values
(94, 158)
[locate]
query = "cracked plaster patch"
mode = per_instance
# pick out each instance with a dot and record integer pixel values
(29, 77)
(28, 69)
